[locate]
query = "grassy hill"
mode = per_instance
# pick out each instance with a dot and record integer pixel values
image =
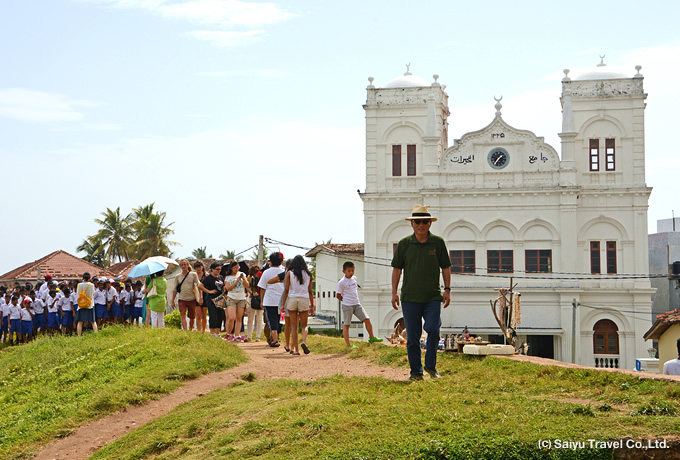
(481, 408)
(54, 384)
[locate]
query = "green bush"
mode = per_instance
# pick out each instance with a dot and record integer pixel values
(173, 320)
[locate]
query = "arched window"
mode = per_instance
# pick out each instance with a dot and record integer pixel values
(605, 338)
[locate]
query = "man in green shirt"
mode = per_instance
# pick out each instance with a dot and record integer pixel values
(421, 256)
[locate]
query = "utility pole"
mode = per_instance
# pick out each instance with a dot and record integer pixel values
(574, 304)
(260, 251)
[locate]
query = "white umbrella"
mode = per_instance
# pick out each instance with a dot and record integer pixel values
(164, 260)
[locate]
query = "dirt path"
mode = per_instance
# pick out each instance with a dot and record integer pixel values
(86, 439)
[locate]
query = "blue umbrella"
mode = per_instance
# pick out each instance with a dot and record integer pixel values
(147, 268)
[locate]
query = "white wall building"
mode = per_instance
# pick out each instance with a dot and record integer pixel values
(508, 205)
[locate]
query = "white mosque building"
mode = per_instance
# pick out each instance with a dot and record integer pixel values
(570, 228)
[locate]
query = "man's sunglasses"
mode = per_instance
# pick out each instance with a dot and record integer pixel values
(421, 221)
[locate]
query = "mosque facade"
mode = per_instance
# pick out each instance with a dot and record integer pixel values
(569, 227)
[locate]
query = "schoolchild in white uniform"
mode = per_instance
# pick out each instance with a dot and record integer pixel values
(14, 319)
(100, 311)
(26, 321)
(138, 296)
(65, 305)
(39, 314)
(52, 312)
(124, 301)
(112, 298)
(4, 315)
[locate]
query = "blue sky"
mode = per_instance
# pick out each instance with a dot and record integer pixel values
(245, 118)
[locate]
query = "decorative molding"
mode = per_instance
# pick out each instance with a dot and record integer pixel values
(605, 88)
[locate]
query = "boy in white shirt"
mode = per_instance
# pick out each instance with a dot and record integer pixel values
(347, 292)
(124, 301)
(26, 321)
(52, 312)
(65, 305)
(100, 310)
(138, 296)
(39, 314)
(4, 316)
(14, 314)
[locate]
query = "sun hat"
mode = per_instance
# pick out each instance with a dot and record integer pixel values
(421, 212)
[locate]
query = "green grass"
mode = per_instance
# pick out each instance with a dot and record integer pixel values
(52, 385)
(482, 408)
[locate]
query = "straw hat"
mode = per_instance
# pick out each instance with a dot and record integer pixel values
(421, 212)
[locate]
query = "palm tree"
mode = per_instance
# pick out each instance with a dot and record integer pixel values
(231, 255)
(115, 234)
(151, 233)
(93, 251)
(200, 253)
(265, 254)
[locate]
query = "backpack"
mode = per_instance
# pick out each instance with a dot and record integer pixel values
(83, 300)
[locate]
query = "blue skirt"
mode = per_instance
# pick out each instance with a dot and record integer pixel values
(52, 320)
(100, 311)
(67, 320)
(27, 327)
(40, 320)
(15, 325)
(116, 310)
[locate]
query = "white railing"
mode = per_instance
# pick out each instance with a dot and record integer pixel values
(607, 361)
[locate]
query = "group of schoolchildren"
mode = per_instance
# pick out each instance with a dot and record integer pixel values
(51, 307)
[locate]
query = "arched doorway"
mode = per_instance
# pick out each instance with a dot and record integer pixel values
(606, 344)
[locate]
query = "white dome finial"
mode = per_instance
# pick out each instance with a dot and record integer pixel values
(408, 69)
(436, 77)
(566, 75)
(370, 82)
(602, 64)
(498, 105)
(638, 68)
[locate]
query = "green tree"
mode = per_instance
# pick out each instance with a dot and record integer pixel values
(151, 233)
(93, 250)
(201, 253)
(115, 235)
(265, 254)
(231, 255)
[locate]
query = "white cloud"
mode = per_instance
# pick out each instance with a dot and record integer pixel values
(29, 105)
(267, 73)
(222, 13)
(101, 126)
(227, 38)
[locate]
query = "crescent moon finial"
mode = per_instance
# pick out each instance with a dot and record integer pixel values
(498, 105)
(601, 64)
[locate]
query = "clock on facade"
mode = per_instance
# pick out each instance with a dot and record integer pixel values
(498, 158)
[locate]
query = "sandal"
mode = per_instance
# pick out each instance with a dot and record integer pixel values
(285, 347)
(305, 348)
(295, 353)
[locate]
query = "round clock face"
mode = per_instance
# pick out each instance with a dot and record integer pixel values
(498, 158)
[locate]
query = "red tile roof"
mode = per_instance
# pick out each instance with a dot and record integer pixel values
(663, 322)
(123, 268)
(60, 264)
(350, 248)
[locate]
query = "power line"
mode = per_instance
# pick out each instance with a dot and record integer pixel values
(578, 276)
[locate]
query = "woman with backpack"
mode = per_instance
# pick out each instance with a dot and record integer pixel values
(85, 299)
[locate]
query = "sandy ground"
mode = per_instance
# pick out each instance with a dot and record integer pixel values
(85, 440)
